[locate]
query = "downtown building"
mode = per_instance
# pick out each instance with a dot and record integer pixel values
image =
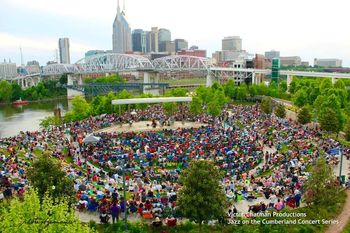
(328, 62)
(121, 38)
(8, 69)
(272, 54)
(139, 41)
(63, 45)
(164, 35)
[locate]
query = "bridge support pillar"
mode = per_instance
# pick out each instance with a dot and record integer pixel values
(71, 93)
(209, 80)
(253, 78)
(333, 80)
(69, 79)
(146, 79)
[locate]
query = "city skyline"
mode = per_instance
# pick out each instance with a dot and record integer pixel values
(21, 24)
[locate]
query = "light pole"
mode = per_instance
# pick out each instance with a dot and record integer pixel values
(341, 165)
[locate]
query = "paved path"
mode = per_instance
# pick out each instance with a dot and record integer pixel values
(343, 218)
(142, 126)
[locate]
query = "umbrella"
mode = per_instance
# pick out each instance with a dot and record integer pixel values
(133, 113)
(91, 139)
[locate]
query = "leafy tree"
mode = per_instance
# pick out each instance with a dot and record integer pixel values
(283, 86)
(347, 130)
(266, 105)
(230, 89)
(196, 105)
(325, 84)
(50, 120)
(214, 108)
(293, 87)
(5, 91)
(328, 120)
(46, 175)
(300, 98)
(202, 197)
(280, 111)
(320, 188)
(262, 89)
(304, 116)
(17, 92)
(80, 110)
(34, 215)
(63, 79)
(242, 92)
(205, 94)
(170, 107)
(177, 92)
(339, 84)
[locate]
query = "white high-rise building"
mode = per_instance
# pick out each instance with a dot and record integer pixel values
(328, 62)
(121, 33)
(63, 45)
(232, 43)
(8, 70)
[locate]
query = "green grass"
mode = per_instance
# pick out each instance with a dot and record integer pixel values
(185, 81)
(347, 228)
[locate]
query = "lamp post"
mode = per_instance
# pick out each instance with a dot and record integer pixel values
(341, 165)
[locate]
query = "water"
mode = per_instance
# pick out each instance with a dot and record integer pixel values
(27, 118)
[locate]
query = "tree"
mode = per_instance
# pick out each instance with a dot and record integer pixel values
(320, 188)
(5, 91)
(214, 108)
(325, 84)
(280, 111)
(300, 98)
(266, 105)
(339, 84)
(241, 92)
(80, 110)
(46, 175)
(34, 215)
(304, 116)
(328, 121)
(201, 197)
(347, 130)
(17, 92)
(196, 105)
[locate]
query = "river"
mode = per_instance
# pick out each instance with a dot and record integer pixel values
(27, 118)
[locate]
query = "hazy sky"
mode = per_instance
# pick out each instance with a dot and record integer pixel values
(308, 28)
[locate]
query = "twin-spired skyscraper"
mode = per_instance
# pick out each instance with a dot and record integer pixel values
(121, 32)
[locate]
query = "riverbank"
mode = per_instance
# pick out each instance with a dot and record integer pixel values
(63, 97)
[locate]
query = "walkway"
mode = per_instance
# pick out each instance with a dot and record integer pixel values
(343, 218)
(142, 126)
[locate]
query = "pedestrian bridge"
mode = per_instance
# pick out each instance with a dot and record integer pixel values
(123, 63)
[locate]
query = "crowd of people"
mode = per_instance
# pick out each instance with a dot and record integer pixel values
(265, 158)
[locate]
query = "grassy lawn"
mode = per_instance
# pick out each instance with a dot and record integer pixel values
(347, 228)
(185, 81)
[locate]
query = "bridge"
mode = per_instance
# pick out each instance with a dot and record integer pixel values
(128, 63)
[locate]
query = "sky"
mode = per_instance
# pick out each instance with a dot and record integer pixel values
(306, 28)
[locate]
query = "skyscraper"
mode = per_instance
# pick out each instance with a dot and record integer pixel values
(153, 40)
(232, 43)
(139, 41)
(180, 44)
(164, 35)
(121, 33)
(63, 45)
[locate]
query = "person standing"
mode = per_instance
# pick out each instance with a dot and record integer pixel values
(115, 210)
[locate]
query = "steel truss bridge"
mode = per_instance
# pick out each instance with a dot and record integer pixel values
(123, 63)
